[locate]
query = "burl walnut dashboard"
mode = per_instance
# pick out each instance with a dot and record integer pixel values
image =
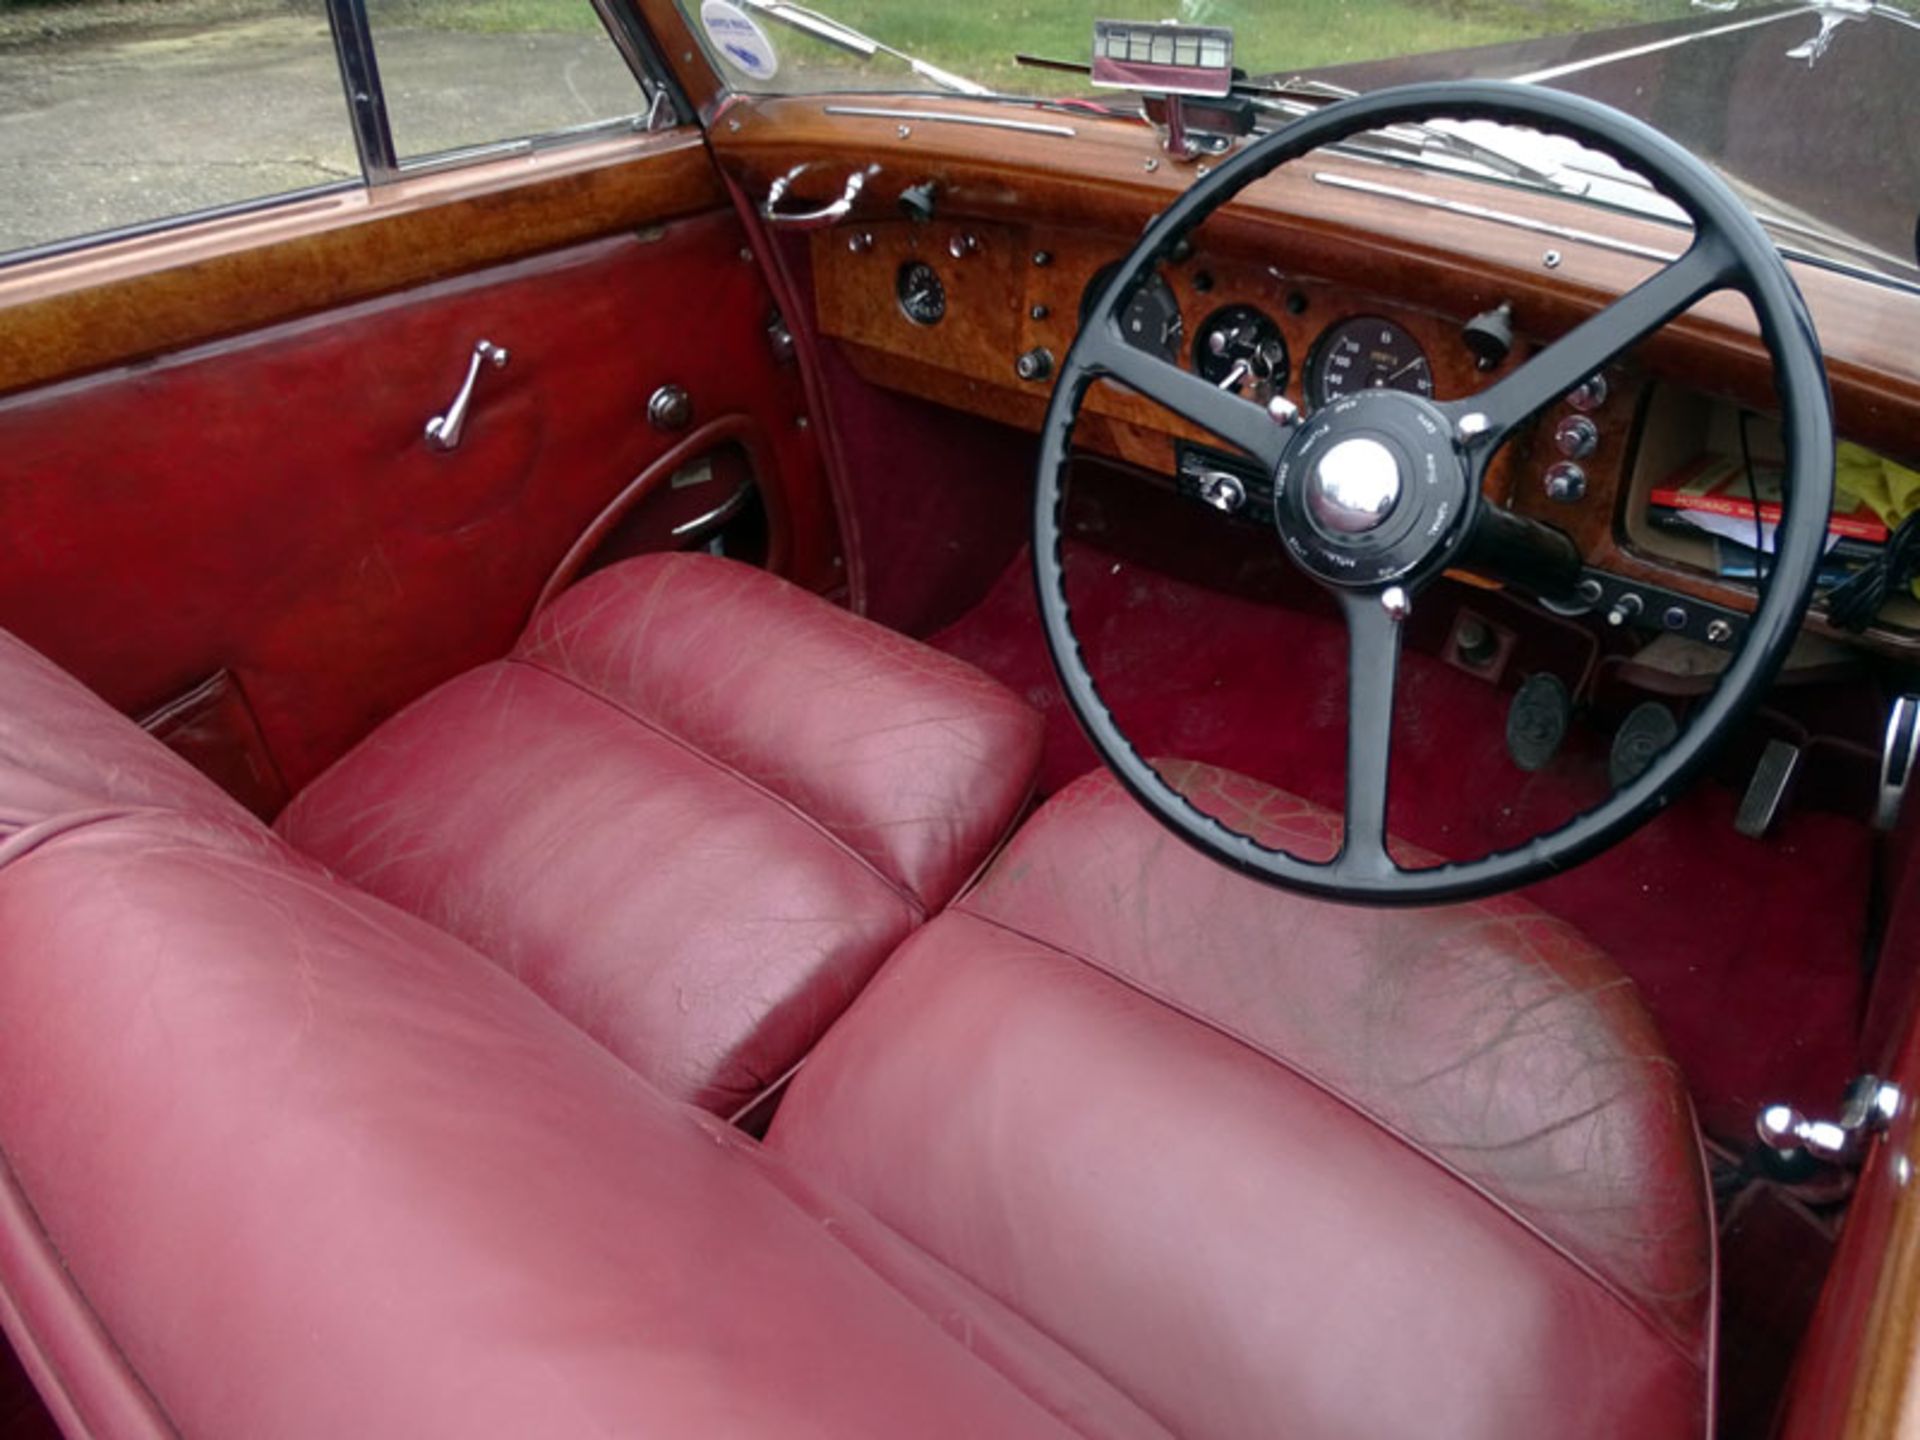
(978, 315)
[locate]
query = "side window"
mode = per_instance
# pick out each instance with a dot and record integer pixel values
(468, 74)
(113, 115)
(122, 114)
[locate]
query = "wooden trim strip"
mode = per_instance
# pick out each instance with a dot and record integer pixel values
(71, 314)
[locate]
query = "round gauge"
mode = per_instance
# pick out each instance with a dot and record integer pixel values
(1366, 353)
(923, 299)
(1151, 319)
(1238, 344)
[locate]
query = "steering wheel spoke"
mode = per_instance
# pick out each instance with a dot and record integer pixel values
(1373, 667)
(1241, 423)
(1483, 421)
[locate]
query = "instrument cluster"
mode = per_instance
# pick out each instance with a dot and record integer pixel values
(1240, 347)
(981, 318)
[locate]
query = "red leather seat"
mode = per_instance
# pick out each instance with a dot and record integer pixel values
(1275, 1166)
(1121, 1144)
(694, 809)
(277, 1159)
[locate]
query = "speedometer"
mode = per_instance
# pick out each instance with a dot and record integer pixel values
(1366, 352)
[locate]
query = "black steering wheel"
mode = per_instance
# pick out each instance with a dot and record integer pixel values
(1377, 493)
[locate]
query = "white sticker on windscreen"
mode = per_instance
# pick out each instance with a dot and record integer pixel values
(741, 42)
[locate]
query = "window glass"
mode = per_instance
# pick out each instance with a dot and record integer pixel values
(118, 112)
(464, 73)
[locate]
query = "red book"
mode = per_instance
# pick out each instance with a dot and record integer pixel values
(1717, 485)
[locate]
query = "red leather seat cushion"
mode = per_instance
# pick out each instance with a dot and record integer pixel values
(694, 810)
(1275, 1165)
(282, 1161)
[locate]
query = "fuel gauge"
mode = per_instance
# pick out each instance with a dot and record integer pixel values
(923, 299)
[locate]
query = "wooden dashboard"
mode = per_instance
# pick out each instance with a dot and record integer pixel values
(1024, 223)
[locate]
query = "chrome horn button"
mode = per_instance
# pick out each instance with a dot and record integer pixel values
(1372, 489)
(1355, 486)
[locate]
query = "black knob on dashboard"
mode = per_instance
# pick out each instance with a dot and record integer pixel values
(917, 201)
(1489, 335)
(1036, 364)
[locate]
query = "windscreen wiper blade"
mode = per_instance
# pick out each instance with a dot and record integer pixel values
(825, 27)
(1300, 94)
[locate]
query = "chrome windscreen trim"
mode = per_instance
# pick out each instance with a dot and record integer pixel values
(948, 117)
(1492, 216)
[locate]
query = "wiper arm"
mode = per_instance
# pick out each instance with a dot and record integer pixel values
(1299, 95)
(825, 27)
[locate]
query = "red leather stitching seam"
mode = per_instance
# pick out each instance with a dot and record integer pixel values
(912, 901)
(1625, 1300)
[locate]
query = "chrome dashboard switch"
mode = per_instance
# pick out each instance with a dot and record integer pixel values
(1576, 437)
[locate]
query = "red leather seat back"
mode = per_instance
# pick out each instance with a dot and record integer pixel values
(64, 750)
(1278, 1166)
(912, 759)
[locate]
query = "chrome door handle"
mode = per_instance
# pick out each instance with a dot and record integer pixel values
(443, 431)
(819, 219)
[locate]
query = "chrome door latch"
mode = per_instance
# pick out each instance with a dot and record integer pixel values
(443, 431)
(1869, 1107)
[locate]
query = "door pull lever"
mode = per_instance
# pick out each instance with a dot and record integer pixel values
(443, 431)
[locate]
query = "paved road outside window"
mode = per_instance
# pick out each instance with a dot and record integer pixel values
(109, 125)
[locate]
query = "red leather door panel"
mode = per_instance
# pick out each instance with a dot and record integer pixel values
(267, 505)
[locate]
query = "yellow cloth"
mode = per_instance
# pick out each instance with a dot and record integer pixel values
(1891, 491)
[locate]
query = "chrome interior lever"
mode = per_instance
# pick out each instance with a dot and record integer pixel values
(443, 431)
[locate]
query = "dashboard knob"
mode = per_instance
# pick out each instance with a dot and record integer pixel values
(1576, 437)
(1626, 608)
(1489, 335)
(1565, 482)
(1589, 395)
(916, 201)
(1035, 364)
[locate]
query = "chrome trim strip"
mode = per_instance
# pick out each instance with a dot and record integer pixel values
(630, 38)
(1496, 217)
(991, 122)
(366, 101)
